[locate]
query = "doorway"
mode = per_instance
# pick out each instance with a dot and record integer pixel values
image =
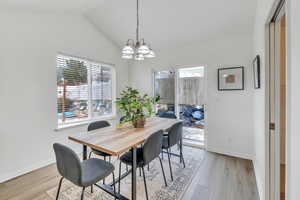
(277, 104)
(190, 106)
(182, 96)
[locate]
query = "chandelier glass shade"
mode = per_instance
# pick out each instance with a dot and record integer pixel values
(138, 49)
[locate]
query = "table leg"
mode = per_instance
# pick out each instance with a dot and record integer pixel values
(84, 152)
(133, 175)
(181, 154)
(180, 149)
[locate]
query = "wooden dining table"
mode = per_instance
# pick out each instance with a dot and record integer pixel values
(115, 140)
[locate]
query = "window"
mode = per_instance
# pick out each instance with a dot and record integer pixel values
(191, 72)
(85, 90)
(164, 86)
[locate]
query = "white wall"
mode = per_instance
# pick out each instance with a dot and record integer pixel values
(229, 112)
(29, 43)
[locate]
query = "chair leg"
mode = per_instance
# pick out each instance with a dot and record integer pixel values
(180, 150)
(148, 168)
(104, 178)
(82, 193)
(170, 164)
(119, 188)
(163, 171)
(113, 174)
(145, 183)
(60, 182)
(140, 172)
(181, 156)
(91, 185)
(182, 160)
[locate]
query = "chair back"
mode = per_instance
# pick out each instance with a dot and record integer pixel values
(68, 163)
(175, 134)
(98, 124)
(152, 147)
(168, 114)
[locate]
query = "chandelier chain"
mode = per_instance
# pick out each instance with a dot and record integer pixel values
(138, 49)
(137, 21)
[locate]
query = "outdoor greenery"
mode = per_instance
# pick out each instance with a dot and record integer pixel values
(135, 106)
(75, 73)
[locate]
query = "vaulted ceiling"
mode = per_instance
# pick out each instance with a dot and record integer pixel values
(164, 23)
(171, 23)
(62, 6)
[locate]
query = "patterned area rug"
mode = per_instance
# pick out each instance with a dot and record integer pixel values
(154, 178)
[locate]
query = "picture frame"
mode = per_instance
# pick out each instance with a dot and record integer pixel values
(256, 72)
(231, 78)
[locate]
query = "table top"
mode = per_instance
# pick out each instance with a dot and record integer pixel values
(116, 140)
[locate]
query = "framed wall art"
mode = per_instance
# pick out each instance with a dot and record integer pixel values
(231, 78)
(256, 72)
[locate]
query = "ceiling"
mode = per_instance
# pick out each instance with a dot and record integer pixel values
(164, 23)
(62, 6)
(174, 23)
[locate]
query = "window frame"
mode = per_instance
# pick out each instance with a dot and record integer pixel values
(90, 118)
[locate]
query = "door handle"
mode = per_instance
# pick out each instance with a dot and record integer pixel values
(272, 126)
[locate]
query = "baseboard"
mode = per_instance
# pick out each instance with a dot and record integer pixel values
(234, 154)
(259, 182)
(25, 170)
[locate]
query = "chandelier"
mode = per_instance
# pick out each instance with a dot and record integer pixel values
(138, 49)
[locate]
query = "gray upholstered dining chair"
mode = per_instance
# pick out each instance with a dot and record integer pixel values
(169, 115)
(94, 126)
(145, 154)
(173, 137)
(82, 174)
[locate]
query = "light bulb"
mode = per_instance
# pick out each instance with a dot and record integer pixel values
(128, 50)
(142, 48)
(139, 56)
(151, 54)
(127, 56)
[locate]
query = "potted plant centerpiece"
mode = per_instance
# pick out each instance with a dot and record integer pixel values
(135, 107)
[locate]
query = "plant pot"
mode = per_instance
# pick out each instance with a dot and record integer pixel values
(139, 122)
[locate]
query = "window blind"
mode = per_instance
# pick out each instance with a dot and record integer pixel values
(101, 90)
(81, 83)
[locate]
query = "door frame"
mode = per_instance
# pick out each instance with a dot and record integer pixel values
(205, 96)
(273, 101)
(176, 69)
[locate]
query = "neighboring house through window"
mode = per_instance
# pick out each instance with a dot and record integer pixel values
(85, 90)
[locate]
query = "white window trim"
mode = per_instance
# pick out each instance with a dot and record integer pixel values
(84, 122)
(90, 119)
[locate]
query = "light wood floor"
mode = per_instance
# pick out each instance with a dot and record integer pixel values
(223, 178)
(219, 178)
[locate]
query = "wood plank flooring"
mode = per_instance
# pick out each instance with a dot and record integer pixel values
(223, 178)
(219, 178)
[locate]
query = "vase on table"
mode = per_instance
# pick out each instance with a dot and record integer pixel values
(139, 122)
